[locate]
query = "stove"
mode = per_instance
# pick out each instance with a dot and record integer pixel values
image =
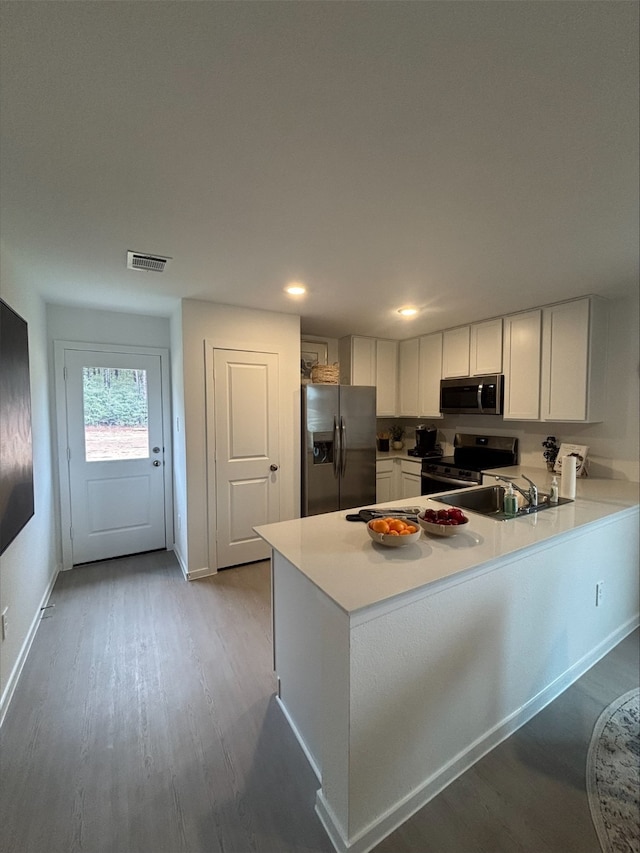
(472, 454)
(436, 453)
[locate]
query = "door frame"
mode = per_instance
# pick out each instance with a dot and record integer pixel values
(210, 441)
(59, 348)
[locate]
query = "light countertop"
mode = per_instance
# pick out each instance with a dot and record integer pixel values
(340, 559)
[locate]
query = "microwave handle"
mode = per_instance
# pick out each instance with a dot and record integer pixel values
(479, 396)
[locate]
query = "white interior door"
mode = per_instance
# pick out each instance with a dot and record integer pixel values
(246, 452)
(115, 452)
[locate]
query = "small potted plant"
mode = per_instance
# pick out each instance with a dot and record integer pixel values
(550, 453)
(397, 434)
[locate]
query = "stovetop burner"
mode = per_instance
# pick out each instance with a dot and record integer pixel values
(436, 453)
(473, 454)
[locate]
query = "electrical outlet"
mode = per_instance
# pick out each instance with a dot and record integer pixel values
(4, 627)
(599, 593)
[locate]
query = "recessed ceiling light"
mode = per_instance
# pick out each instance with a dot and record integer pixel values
(408, 312)
(295, 289)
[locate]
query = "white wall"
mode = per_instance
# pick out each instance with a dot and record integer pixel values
(235, 328)
(28, 567)
(179, 443)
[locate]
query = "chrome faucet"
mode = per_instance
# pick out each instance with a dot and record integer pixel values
(530, 495)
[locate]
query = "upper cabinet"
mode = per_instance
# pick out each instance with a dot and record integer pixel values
(455, 353)
(553, 360)
(522, 338)
(485, 347)
(472, 350)
(430, 371)
(408, 378)
(369, 361)
(386, 377)
(419, 372)
(574, 348)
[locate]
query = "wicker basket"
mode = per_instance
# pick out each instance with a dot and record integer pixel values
(325, 374)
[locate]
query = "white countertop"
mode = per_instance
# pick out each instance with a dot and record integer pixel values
(340, 559)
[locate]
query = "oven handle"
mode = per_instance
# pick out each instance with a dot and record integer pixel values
(448, 480)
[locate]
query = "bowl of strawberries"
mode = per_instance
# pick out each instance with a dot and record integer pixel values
(442, 522)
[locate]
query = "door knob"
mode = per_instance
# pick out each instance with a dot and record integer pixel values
(273, 467)
(157, 463)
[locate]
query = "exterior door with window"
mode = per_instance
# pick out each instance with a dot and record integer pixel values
(115, 453)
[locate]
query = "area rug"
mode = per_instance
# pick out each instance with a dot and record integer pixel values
(613, 775)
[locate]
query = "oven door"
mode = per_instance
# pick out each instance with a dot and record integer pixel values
(433, 483)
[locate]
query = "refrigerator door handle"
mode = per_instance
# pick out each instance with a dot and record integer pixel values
(336, 448)
(343, 447)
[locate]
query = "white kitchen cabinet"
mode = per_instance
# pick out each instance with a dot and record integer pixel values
(522, 351)
(485, 347)
(408, 378)
(429, 374)
(574, 347)
(357, 356)
(419, 373)
(455, 353)
(397, 478)
(410, 486)
(386, 377)
(385, 480)
(371, 361)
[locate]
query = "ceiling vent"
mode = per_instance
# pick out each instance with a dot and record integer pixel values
(150, 263)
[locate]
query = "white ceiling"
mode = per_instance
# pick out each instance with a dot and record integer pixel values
(471, 158)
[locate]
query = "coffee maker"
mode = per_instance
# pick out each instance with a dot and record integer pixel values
(425, 442)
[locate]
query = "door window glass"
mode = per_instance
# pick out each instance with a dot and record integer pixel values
(116, 419)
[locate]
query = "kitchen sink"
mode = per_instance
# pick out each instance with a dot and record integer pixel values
(489, 501)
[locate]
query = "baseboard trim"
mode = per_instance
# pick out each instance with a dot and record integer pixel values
(385, 824)
(181, 562)
(201, 573)
(12, 682)
(303, 746)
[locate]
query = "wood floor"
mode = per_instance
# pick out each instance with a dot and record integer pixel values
(144, 722)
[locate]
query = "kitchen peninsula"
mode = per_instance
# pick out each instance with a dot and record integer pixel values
(399, 668)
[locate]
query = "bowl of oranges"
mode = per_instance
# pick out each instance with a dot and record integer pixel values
(393, 532)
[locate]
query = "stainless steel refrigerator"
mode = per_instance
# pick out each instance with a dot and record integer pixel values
(338, 447)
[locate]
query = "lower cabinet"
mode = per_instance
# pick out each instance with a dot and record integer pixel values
(384, 480)
(397, 479)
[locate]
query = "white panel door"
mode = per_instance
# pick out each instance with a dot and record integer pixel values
(246, 452)
(115, 451)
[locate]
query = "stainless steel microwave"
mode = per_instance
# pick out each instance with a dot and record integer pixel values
(477, 395)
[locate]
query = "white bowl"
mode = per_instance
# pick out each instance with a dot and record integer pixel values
(442, 529)
(393, 541)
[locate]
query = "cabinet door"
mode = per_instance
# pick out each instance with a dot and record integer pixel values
(385, 480)
(573, 361)
(408, 371)
(455, 353)
(384, 487)
(386, 377)
(357, 360)
(522, 340)
(430, 371)
(410, 486)
(485, 352)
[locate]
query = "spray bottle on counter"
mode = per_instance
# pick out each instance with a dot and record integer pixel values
(553, 492)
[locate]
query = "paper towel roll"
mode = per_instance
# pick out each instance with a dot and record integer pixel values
(568, 477)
